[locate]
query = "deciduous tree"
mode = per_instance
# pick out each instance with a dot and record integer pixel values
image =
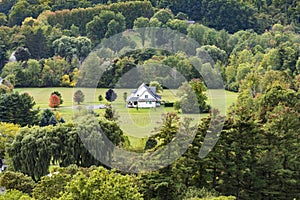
(110, 95)
(78, 97)
(54, 101)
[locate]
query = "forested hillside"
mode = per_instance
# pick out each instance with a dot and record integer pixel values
(254, 45)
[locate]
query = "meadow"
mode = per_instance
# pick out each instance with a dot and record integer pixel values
(136, 124)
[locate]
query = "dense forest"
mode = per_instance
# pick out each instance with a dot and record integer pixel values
(254, 46)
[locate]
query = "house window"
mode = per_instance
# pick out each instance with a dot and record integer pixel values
(150, 102)
(146, 96)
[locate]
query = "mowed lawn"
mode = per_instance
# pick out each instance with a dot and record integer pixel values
(135, 123)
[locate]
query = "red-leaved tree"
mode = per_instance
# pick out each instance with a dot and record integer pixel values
(54, 101)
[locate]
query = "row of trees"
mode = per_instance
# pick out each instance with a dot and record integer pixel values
(34, 149)
(234, 56)
(84, 183)
(236, 15)
(248, 14)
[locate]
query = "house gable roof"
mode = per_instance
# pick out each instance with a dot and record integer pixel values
(150, 90)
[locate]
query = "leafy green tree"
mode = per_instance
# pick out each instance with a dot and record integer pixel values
(50, 187)
(32, 74)
(213, 80)
(188, 102)
(65, 47)
(36, 42)
(22, 54)
(90, 71)
(106, 24)
(100, 98)
(19, 12)
(68, 47)
(164, 15)
(8, 132)
(78, 97)
(159, 185)
(157, 85)
(182, 16)
(274, 96)
(242, 71)
(102, 184)
(112, 131)
(18, 109)
(154, 22)
(215, 52)
(83, 47)
(150, 143)
(141, 24)
(53, 71)
(197, 32)
(112, 28)
(192, 97)
(272, 60)
(178, 25)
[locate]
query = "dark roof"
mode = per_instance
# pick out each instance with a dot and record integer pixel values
(133, 99)
(152, 90)
(133, 91)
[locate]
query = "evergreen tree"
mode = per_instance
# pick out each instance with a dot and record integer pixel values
(52, 120)
(45, 119)
(18, 109)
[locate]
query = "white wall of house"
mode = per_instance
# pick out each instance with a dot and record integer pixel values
(146, 104)
(146, 95)
(144, 98)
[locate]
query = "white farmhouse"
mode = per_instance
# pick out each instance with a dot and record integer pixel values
(143, 97)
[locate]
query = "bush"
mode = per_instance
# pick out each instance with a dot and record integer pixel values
(14, 195)
(169, 104)
(17, 181)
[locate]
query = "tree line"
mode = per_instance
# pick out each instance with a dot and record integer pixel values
(233, 55)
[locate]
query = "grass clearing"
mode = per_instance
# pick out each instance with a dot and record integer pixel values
(136, 124)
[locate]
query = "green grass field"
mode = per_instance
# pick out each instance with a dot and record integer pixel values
(136, 124)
